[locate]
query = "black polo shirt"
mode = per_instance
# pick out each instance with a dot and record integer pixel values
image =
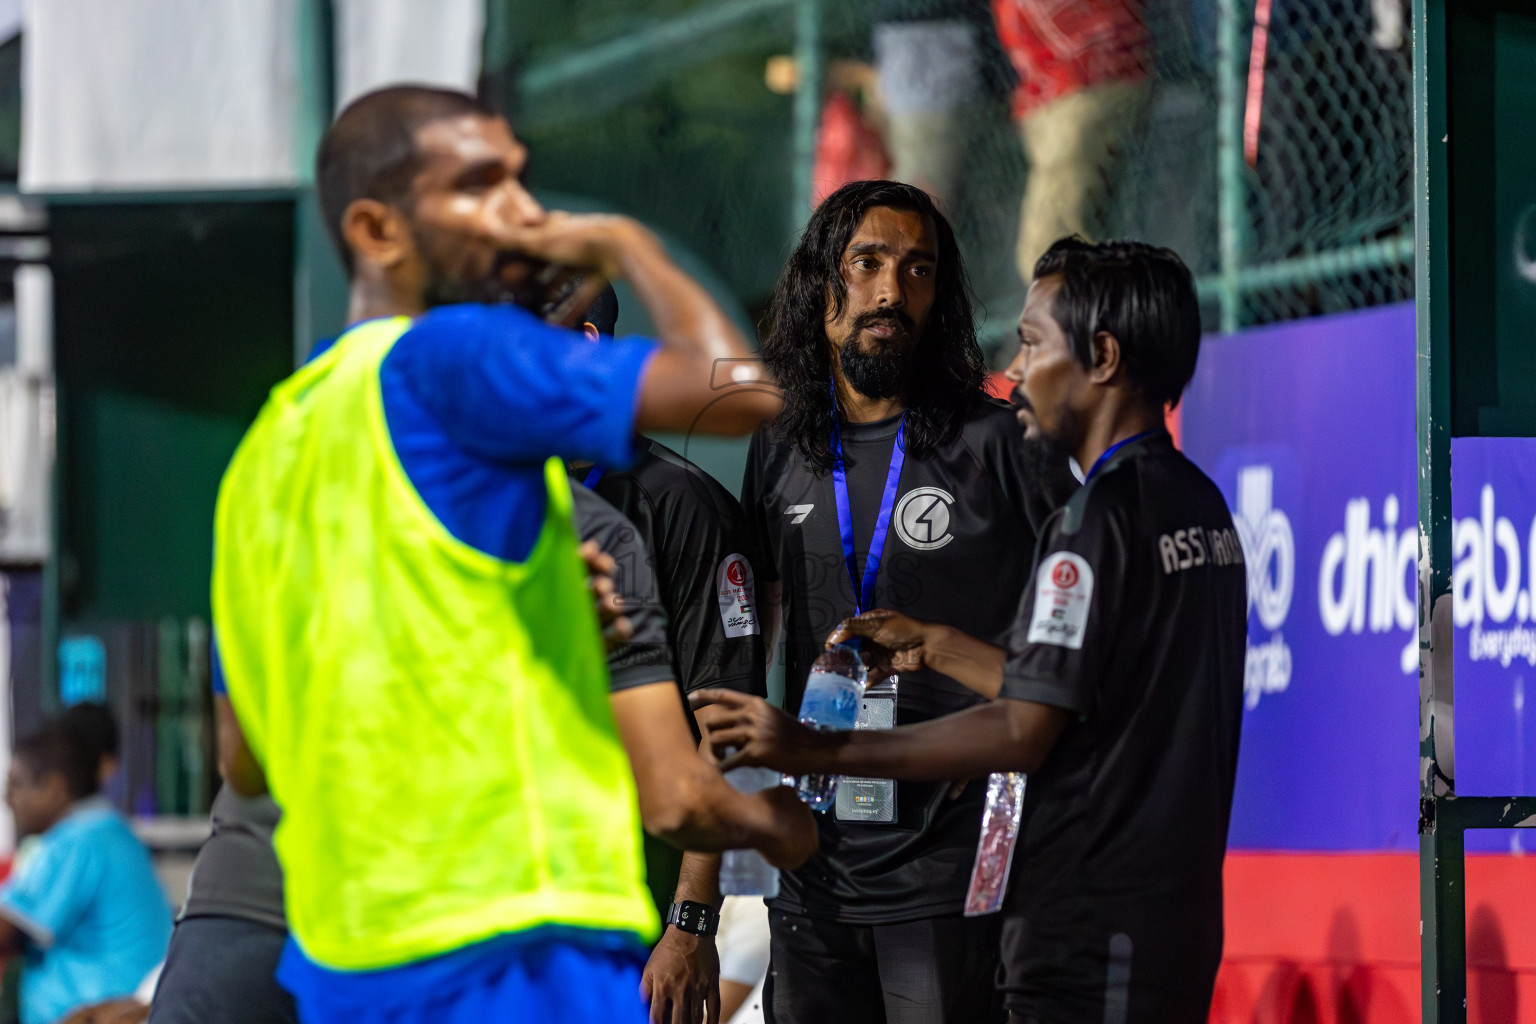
(703, 561)
(1136, 620)
(959, 549)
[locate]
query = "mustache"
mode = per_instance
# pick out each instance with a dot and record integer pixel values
(870, 317)
(1018, 399)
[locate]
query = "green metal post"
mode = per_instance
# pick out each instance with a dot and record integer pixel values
(317, 87)
(1232, 204)
(52, 567)
(807, 109)
(1442, 867)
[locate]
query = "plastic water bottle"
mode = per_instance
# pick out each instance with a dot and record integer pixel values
(747, 872)
(831, 702)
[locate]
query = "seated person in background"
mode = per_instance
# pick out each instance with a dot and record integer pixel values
(92, 726)
(85, 909)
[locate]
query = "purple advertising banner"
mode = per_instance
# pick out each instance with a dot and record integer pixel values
(1308, 429)
(1493, 503)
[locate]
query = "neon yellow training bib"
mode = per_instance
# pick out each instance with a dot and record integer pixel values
(433, 721)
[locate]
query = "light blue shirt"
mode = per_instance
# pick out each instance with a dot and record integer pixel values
(95, 918)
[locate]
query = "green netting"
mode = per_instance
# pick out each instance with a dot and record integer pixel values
(681, 113)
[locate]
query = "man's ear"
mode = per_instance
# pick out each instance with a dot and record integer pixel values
(1106, 358)
(376, 233)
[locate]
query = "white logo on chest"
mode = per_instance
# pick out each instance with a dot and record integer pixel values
(923, 519)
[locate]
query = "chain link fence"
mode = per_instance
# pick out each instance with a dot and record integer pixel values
(1267, 141)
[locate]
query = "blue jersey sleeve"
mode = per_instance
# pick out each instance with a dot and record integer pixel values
(216, 680)
(507, 386)
(53, 891)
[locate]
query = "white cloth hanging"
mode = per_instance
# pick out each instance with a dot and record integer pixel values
(431, 42)
(154, 94)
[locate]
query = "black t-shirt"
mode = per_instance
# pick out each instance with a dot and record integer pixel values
(1135, 620)
(237, 873)
(704, 562)
(647, 658)
(962, 535)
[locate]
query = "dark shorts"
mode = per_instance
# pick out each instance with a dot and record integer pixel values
(940, 970)
(222, 970)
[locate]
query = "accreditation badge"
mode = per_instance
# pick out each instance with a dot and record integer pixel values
(994, 852)
(871, 800)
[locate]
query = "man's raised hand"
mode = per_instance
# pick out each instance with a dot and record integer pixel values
(760, 733)
(895, 641)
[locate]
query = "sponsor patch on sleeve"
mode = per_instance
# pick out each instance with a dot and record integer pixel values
(733, 587)
(1063, 591)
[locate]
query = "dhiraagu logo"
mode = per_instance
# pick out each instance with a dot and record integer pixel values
(1368, 575)
(1269, 548)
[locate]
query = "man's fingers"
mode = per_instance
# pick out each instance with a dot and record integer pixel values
(708, 715)
(656, 1000)
(712, 1004)
(744, 757)
(596, 559)
(618, 632)
(729, 700)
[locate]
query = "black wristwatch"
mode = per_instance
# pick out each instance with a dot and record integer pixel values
(694, 918)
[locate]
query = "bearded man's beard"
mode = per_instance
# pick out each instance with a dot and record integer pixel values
(881, 371)
(447, 284)
(879, 375)
(1044, 455)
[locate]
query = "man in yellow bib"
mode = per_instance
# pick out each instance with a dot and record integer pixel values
(410, 656)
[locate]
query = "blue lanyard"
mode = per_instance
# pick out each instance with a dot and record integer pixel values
(1099, 462)
(864, 596)
(593, 476)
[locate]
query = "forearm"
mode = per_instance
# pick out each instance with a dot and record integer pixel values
(706, 377)
(709, 816)
(1001, 736)
(237, 764)
(685, 317)
(699, 879)
(973, 663)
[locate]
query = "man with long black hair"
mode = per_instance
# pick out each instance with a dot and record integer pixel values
(1120, 690)
(890, 480)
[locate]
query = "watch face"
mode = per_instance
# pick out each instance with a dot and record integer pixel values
(696, 918)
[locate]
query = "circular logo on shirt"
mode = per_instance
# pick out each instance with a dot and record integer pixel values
(1064, 575)
(922, 518)
(735, 573)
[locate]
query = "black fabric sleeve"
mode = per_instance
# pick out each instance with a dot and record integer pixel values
(709, 587)
(647, 658)
(765, 566)
(1067, 615)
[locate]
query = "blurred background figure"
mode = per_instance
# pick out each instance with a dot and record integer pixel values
(851, 139)
(84, 909)
(1081, 96)
(936, 67)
